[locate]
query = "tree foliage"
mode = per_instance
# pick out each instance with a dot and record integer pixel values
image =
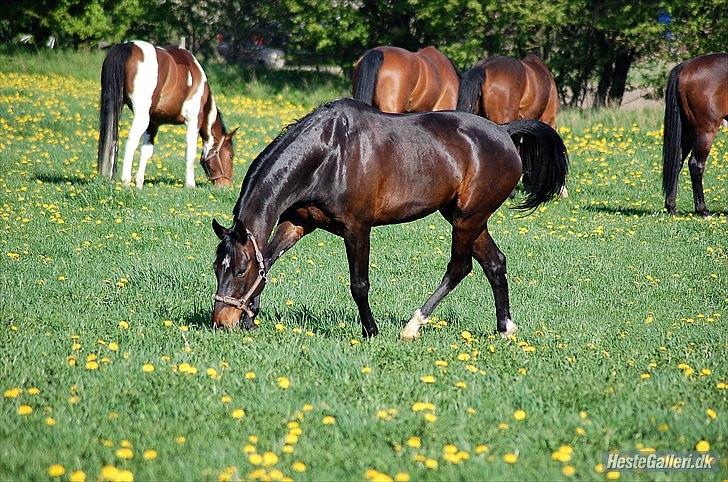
(590, 45)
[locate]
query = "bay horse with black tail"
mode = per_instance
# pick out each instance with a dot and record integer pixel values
(696, 102)
(394, 80)
(347, 167)
(161, 86)
(504, 89)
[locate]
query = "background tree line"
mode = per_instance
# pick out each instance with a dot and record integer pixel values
(590, 45)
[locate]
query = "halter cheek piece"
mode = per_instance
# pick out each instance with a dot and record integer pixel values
(215, 154)
(242, 303)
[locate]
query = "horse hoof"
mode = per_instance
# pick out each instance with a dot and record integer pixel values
(411, 330)
(704, 213)
(564, 193)
(511, 329)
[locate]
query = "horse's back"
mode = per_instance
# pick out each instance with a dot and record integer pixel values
(181, 80)
(396, 157)
(703, 88)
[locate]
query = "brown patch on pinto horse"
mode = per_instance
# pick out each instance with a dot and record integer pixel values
(404, 81)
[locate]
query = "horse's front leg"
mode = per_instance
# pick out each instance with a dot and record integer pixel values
(287, 234)
(357, 252)
(191, 152)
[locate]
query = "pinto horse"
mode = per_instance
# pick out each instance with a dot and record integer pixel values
(696, 102)
(394, 80)
(161, 86)
(504, 89)
(347, 167)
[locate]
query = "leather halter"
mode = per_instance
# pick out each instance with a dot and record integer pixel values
(242, 303)
(215, 154)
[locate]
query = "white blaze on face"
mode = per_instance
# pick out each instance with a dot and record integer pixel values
(226, 262)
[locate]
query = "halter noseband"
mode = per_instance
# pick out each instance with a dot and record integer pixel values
(215, 153)
(242, 303)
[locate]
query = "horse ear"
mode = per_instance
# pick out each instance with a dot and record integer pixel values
(232, 133)
(240, 232)
(219, 229)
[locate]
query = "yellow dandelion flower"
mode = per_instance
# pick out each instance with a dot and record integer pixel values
(249, 375)
(283, 382)
(711, 413)
(568, 470)
(328, 420)
(430, 417)
(147, 368)
(366, 370)
(149, 454)
(510, 458)
(613, 475)
(255, 459)
(12, 392)
(298, 466)
(92, 365)
(414, 442)
(269, 458)
(180, 439)
(25, 410)
(519, 415)
(56, 470)
(125, 453)
(431, 464)
(238, 413)
(427, 379)
(599, 468)
(702, 446)
(33, 391)
(50, 421)
(77, 476)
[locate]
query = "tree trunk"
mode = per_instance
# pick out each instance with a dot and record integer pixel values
(619, 77)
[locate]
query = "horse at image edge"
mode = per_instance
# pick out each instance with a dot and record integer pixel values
(696, 102)
(161, 86)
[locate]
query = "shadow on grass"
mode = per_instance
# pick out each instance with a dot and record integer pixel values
(325, 323)
(643, 211)
(62, 179)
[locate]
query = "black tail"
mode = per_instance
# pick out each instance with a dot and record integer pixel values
(113, 74)
(365, 76)
(471, 86)
(545, 160)
(673, 153)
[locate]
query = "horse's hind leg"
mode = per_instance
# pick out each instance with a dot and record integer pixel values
(701, 150)
(146, 152)
(138, 126)
(459, 266)
(493, 262)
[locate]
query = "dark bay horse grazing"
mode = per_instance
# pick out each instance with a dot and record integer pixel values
(504, 89)
(346, 167)
(393, 79)
(696, 102)
(161, 86)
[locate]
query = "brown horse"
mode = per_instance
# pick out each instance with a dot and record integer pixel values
(696, 102)
(394, 80)
(347, 167)
(504, 89)
(161, 86)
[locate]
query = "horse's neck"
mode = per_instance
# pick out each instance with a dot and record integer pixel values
(267, 195)
(211, 127)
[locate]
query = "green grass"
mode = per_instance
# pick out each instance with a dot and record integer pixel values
(604, 286)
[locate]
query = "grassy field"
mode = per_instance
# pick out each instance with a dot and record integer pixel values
(110, 371)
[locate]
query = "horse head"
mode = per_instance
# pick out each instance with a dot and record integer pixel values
(218, 160)
(240, 272)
